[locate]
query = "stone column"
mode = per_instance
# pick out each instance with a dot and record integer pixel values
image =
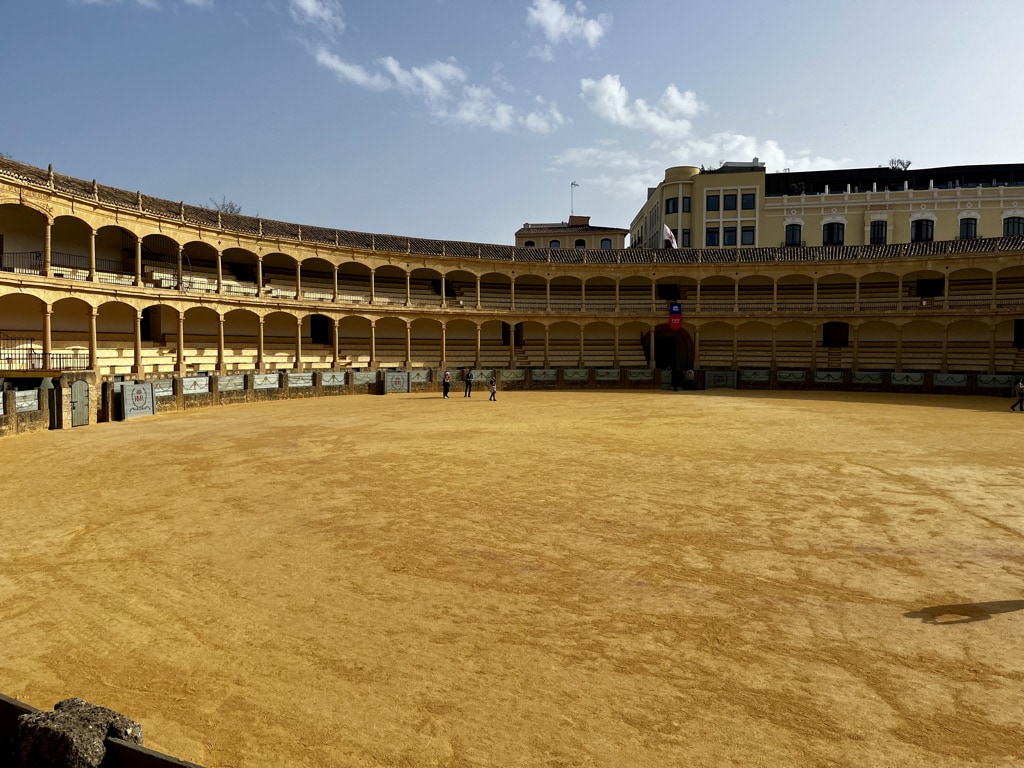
(408, 289)
(298, 344)
(259, 276)
(298, 279)
(512, 293)
(408, 344)
(444, 345)
(260, 357)
(583, 296)
(47, 335)
(93, 345)
(373, 340)
(138, 261)
(547, 346)
(181, 341)
(615, 330)
(616, 296)
(945, 348)
(478, 291)
(220, 272)
(653, 362)
(335, 334)
(92, 256)
(137, 367)
(181, 269)
(992, 351)
(334, 295)
(373, 286)
(512, 345)
(478, 332)
(222, 367)
(47, 252)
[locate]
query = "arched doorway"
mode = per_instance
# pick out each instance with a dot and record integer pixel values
(673, 349)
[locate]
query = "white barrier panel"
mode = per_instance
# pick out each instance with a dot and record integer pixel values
(138, 399)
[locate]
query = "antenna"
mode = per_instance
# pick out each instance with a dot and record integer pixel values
(571, 204)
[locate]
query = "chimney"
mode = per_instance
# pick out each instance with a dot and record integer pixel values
(579, 221)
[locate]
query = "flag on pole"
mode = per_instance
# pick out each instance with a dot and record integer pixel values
(670, 237)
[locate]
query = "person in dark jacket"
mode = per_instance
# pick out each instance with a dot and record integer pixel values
(469, 384)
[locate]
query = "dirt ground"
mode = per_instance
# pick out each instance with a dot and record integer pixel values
(555, 579)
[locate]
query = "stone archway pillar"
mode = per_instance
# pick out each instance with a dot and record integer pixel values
(222, 367)
(298, 344)
(181, 338)
(93, 345)
(137, 367)
(260, 356)
(47, 335)
(92, 256)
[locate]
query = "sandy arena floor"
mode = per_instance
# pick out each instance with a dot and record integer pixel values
(555, 579)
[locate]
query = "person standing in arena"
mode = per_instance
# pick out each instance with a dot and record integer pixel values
(1018, 392)
(494, 390)
(446, 383)
(469, 384)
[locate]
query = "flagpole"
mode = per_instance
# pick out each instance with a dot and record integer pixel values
(572, 209)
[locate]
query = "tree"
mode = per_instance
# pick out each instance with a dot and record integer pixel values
(225, 205)
(898, 164)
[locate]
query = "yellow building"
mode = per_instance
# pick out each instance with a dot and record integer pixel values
(576, 233)
(740, 205)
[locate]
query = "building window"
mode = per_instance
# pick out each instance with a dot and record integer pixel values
(1013, 226)
(748, 201)
(747, 236)
(968, 228)
(686, 205)
(672, 205)
(580, 244)
(794, 233)
(686, 239)
(606, 243)
(922, 230)
(729, 202)
(555, 244)
(879, 232)
(712, 203)
(833, 233)
(711, 237)
(729, 236)
(529, 244)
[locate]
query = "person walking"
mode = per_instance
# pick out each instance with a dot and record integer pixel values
(1018, 392)
(494, 390)
(469, 384)
(446, 383)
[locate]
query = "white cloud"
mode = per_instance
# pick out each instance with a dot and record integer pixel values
(558, 25)
(325, 15)
(350, 73)
(431, 82)
(545, 119)
(669, 119)
(444, 89)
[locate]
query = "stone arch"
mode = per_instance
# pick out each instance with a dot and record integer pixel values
(390, 342)
(279, 275)
(754, 344)
(715, 344)
(354, 341)
(795, 345)
(279, 338)
(876, 346)
(241, 334)
(425, 334)
(317, 279)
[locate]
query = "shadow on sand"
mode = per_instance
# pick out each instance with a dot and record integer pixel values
(965, 612)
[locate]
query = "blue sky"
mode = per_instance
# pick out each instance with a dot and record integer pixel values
(462, 119)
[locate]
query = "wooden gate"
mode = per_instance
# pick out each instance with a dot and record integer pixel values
(79, 403)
